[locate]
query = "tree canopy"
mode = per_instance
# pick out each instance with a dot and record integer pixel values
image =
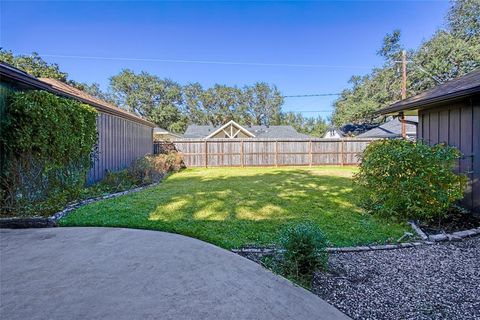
(173, 106)
(451, 52)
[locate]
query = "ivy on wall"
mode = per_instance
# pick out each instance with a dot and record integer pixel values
(49, 141)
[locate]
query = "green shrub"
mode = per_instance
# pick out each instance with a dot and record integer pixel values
(143, 171)
(409, 180)
(48, 141)
(152, 168)
(304, 246)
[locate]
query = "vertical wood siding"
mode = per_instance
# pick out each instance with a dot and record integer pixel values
(457, 124)
(120, 141)
(268, 152)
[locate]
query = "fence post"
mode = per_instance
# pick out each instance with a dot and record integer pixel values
(276, 153)
(242, 159)
(206, 154)
(310, 155)
(341, 152)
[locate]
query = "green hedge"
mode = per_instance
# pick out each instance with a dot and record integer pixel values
(409, 180)
(49, 142)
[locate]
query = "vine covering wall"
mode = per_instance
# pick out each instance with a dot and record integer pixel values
(48, 142)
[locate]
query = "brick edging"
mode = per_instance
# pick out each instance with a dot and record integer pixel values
(52, 221)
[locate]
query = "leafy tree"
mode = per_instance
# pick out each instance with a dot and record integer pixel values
(463, 20)
(261, 104)
(34, 65)
(158, 100)
(315, 127)
(253, 105)
(440, 59)
(449, 54)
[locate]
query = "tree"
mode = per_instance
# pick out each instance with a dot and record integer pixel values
(315, 127)
(463, 20)
(440, 59)
(34, 65)
(260, 104)
(158, 100)
(449, 54)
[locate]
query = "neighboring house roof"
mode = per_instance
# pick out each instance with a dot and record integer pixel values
(333, 133)
(353, 130)
(455, 89)
(161, 131)
(25, 80)
(392, 129)
(230, 125)
(268, 132)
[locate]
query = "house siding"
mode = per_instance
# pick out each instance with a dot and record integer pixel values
(457, 124)
(120, 139)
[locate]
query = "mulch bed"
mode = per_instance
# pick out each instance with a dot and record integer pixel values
(451, 223)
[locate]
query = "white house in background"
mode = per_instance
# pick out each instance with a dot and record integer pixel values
(162, 134)
(333, 134)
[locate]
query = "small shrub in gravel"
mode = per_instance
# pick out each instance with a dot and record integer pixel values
(304, 246)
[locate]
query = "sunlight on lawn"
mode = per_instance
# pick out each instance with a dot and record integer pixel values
(232, 207)
(253, 198)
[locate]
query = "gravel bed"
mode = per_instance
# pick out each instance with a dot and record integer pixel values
(440, 281)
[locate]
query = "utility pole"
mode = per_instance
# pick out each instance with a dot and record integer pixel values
(404, 91)
(404, 74)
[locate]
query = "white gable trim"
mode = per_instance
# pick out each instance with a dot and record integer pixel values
(231, 134)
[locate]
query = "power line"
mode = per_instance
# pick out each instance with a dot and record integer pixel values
(293, 65)
(309, 111)
(312, 95)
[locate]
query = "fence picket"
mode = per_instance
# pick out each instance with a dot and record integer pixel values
(266, 152)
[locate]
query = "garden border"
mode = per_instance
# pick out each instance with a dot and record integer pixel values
(52, 221)
(432, 239)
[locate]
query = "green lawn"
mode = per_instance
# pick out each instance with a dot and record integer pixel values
(231, 207)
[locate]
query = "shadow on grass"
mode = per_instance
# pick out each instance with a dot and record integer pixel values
(244, 207)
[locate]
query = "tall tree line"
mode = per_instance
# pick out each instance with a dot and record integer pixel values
(174, 107)
(451, 52)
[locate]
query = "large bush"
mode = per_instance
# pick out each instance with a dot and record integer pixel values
(304, 246)
(48, 142)
(409, 180)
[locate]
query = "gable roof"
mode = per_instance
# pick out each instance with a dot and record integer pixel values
(462, 87)
(234, 124)
(265, 132)
(392, 128)
(24, 80)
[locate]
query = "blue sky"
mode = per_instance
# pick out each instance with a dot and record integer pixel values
(302, 47)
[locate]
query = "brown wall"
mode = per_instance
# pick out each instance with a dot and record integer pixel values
(120, 141)
(458, 124)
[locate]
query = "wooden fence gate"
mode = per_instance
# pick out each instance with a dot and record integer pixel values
(267, 152)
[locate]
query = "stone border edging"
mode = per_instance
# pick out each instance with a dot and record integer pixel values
(48, 222)
(432, 239)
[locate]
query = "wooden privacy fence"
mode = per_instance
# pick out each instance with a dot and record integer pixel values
(267, 152)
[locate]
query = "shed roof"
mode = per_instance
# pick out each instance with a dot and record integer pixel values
(275, 132)
(455, 89)
(391, 129)
(12, 74)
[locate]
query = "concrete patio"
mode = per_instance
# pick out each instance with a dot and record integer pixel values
(109, 273)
